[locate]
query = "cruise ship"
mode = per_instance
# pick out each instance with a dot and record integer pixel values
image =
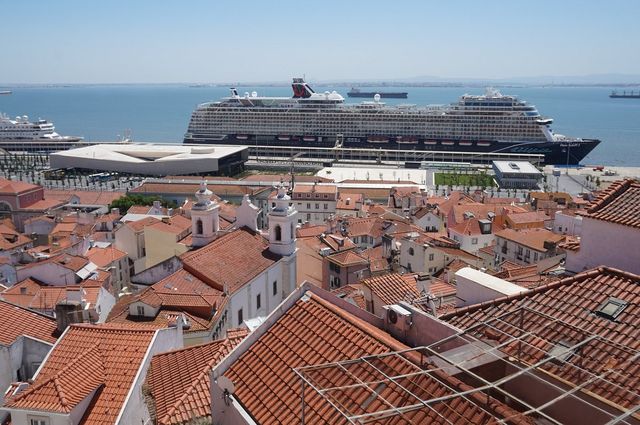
(489, 123)
(20, 135)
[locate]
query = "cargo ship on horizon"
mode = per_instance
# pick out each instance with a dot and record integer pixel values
(624, 95)
(488, 123)
(354, 92)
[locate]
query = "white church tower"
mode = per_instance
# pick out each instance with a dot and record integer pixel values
(282, 225)
(282, 238)
(205, 220)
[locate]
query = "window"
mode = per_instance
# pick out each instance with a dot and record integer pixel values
(611, 308)
(409, 267)
(326, 206)
(334, 267)
(411, 251)
(278, 231)
(198, 227)
(308, 216)
(334, 282)
(431, 257)
(140, 310)
(240, 317)
(317, 206)
(535, 256)
(275, 287)
(38, 421)
(308, 206)
(258, 301)
(474, 241)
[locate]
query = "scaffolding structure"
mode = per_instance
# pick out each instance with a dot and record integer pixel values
(570, 370)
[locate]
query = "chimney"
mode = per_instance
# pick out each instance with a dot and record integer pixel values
(423, 282)
(157, 205)
(67, 313)
(115, 211)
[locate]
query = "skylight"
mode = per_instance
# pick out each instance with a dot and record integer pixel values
(611, 308)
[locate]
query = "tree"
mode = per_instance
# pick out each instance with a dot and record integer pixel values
(131, 199)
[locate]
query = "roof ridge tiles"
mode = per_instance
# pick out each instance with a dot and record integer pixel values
(542, 288)
(56, 378)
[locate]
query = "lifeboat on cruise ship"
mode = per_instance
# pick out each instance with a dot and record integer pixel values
(484, 144)
(407, 140)
(448, 143)
(465, 143)
(284, 137)
(378, 139)
(309, 138)
(430, 142)
(242, 136)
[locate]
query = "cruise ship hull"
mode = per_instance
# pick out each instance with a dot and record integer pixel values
(555, 153)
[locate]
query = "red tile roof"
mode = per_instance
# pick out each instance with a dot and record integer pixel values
(180, 382)
(88, 357)
(86, 197)
(352, 293)
(391, 288)
(531, 238)
(18, 321)
(619, 204)
(232, 260)
(139, 225)
(349, 201)
(307, 231)
(315, 188)
(574, 302)
(347, 258)
(528, 217)
(11, 187)
(31, 294)
(180, 292)
(177, 224)
(103, 257)
(313, 332)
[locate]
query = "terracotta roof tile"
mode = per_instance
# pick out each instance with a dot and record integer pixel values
(347, 258)
(349, 201)
(619, 204)
(528, 217)
(103, 257)
(392, 288)
(352, 293)
(31, 294)
(11, 187)
(180, 381)
(532, 238)
(86, 197)
(139, 225)
(86, 358)
(232, 260)
(314, 332)
(307, 231)
(18, 321)
(574, 301)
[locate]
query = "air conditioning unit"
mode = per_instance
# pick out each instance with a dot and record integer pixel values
(397, 318)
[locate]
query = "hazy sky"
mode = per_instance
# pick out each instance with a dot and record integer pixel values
(225, 41)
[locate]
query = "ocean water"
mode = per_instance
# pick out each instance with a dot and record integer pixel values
(160, 113)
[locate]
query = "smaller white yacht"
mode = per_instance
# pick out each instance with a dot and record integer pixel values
(20, 134)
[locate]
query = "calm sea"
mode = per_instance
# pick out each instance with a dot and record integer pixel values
(161, 113)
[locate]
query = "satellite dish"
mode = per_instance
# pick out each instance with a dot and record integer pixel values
(226, 384)
(376, 97)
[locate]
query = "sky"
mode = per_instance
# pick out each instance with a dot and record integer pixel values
(158, 41)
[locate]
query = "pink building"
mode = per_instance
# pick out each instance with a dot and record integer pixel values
(610, 231)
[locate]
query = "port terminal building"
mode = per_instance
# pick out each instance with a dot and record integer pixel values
(154, 159)
(517, 174)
